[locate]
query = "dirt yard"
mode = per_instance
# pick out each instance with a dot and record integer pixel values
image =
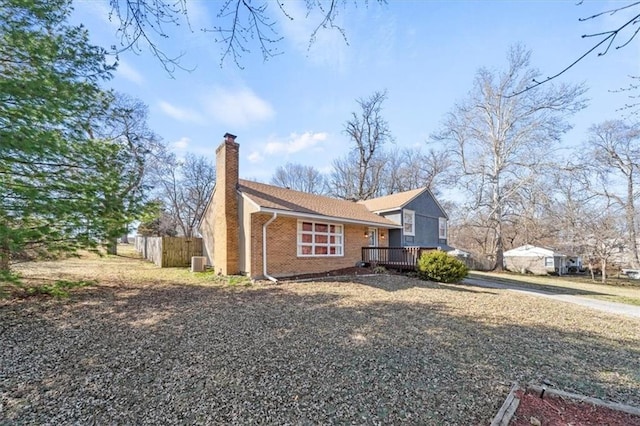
(147, 346)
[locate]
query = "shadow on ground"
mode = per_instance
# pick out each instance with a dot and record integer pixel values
(392, 283)
(186, 354)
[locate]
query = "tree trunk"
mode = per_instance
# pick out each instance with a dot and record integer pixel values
(112, 245)
(631, 223)
(499, 254)
(125, 238)
(604, 271)
(497, 218)
(5, 256)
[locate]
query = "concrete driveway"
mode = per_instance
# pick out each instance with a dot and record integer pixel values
(602, 305)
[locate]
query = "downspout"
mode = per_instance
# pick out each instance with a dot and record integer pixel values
(264, 248)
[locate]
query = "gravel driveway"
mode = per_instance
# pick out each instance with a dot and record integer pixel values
(384, 349)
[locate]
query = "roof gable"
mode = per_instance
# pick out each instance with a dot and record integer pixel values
(275, 198)
(392, 202)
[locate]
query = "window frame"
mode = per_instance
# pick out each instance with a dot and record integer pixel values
(546, 262)
(441, 235)
(338, 233)
(412, 214)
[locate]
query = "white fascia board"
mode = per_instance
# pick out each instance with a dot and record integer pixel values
(395, 209)
(288, 213)
(250, 200)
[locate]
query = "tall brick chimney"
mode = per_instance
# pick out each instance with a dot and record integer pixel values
(225, 199)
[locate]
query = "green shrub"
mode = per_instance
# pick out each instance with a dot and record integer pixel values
(439, 266)
(379, 270)
(58, 289)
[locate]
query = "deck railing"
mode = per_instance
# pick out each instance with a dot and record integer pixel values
(404, 258)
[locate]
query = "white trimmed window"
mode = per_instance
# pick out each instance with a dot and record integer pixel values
(320, 239)
(548, 262)
(408, 221)
(442, 228)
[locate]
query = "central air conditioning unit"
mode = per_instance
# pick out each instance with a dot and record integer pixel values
(198, 263)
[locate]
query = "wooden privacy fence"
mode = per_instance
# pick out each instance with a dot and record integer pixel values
(394, 257)
(169, 251)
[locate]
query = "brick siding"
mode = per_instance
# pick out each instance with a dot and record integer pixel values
(282, 251)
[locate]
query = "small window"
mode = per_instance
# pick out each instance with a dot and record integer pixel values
(442, 228)
(408, 221)
(548, 262)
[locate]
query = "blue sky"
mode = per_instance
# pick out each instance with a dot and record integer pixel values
(293, 107)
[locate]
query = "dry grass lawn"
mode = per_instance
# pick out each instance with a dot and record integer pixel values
(146, 345)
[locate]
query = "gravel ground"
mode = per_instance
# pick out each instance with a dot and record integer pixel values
(375, 350)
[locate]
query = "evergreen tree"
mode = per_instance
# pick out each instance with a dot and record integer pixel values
(54, 177)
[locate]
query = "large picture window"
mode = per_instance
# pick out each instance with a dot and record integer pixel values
(408, 221)
(320, 239)
(442, 228)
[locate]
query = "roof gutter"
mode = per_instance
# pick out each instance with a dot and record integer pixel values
(286, 213)
(264, 248)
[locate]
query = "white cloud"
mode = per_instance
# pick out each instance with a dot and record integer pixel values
(199, 15)
(237, 107)
(255, 157)
(181, 144)
(292, 144)
(180, 114)
(130, 73)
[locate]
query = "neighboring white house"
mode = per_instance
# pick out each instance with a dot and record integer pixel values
(459, 253)
(535, 260)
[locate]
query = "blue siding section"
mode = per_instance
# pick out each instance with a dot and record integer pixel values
(427, 212)
(395, 237)
(426, 205)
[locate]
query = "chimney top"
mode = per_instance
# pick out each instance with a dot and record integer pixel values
(229, 137)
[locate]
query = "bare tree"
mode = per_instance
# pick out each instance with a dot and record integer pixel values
(358, 175)
(468, 229)
(500, 143)
(617, 38)
(604, 240)
(185, 187)
(300, 178)
(412, 168)
(394, 173)
(614, 159)
(125, 124)
(569, 206)
(156, 221)
(241, 25)
(347, 181)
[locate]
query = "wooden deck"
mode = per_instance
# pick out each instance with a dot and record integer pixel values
(402, 258)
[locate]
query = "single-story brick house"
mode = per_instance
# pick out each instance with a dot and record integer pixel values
(266, 231)
(535, 260)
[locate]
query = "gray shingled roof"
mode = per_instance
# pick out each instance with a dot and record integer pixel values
(393, 201)
(301, 203)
